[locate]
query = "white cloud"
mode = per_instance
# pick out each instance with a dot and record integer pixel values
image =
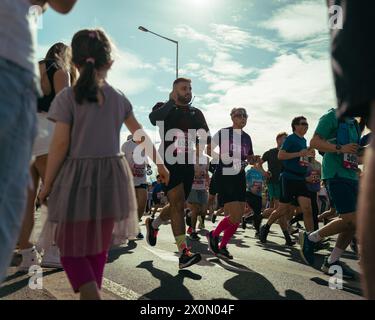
(225, 37)
(291, 86)
(299, 21)
(167, 65)
(125, 74)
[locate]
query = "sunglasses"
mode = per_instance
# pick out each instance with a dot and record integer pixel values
(240, 115)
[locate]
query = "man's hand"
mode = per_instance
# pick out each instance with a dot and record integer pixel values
(164, 174)
(311, 152)
(304, 153)
(351, 148)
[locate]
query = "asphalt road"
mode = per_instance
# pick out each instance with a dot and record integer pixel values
(138, 271)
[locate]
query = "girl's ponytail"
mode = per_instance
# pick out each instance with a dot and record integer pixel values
(91, 51)
(86, 87)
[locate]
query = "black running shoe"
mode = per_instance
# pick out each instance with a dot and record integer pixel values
(188, 218)
(346, 272)
(152, 233)
(307, 248)
(257, 221)
(263, 233)
(290, 243)
(243, 223)
(213, 243)
(250, 218)
(354, 246)
(140, 236)
(187, 259)
(224, 253)
(321, 246)
(194, 236)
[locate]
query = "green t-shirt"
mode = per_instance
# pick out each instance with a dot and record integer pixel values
(333, 162)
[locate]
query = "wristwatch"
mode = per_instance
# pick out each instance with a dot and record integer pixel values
(338, 148)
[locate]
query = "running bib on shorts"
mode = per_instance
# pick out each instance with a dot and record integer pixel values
(350, 161)
(184, 143)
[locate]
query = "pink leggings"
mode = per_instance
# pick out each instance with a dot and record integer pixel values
(82, 270)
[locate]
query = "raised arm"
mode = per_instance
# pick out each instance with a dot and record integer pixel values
(161, 113)
(283, 155)
(319, 143)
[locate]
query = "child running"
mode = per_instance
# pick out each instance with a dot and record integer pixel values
(89, 184)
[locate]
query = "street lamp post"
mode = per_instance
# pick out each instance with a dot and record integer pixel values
(174, 41)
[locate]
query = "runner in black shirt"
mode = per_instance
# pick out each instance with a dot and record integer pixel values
(176, 119)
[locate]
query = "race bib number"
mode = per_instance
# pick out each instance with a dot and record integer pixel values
(184, 143)
(257, 185)
(315, 176)
(350, 161)
(138, 171)
(199, 184)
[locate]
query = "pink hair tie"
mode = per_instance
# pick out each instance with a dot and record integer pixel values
(90, 60)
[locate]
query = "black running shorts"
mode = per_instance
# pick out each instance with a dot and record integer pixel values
(291, 190)
(180, 173)
(232, 188)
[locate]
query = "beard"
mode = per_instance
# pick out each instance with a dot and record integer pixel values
(184, 100)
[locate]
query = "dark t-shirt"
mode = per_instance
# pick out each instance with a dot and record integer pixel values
(230, 143)
(183, 119)
(294, 170)
(275, 166)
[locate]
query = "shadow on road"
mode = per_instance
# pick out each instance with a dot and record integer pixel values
(292, 253)
(248, 284)
(9, 289)
(171, 287)
(116, 253)
(346, 287)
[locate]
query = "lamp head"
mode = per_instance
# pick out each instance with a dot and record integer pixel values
(143, 29)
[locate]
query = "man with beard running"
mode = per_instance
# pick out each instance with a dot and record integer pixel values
(178, 122)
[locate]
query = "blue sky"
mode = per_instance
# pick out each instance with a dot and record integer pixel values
(269, 56)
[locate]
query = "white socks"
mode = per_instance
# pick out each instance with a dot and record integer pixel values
(335, 255)
(314, 236)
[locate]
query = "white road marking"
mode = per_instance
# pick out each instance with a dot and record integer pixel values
(120, 290)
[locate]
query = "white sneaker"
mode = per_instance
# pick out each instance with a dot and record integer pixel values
(51, 258)
(30, 257)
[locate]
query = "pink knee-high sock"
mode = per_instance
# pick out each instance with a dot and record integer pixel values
(228, 234)
(223, 225)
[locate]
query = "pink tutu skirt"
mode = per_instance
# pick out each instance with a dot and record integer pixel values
(91, 204)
